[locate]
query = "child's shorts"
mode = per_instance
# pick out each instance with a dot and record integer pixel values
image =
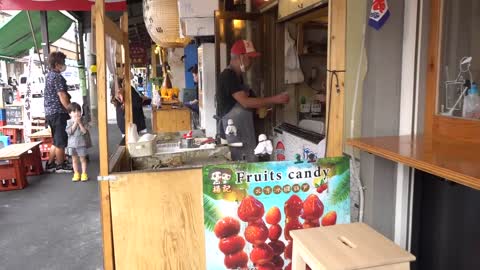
(78, 151)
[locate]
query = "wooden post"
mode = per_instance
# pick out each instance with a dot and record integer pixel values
(108, 256)
(127, 82)
(337, 12)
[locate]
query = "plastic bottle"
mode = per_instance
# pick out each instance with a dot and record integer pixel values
(471, 103)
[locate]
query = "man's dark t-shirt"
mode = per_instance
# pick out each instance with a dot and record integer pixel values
(55, 83)
(228, 84)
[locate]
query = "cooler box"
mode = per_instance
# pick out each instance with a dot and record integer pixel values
(4, 141)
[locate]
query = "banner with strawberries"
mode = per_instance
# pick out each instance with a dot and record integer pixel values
(250, 209)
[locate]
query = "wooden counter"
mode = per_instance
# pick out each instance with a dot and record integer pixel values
(171, 120)
(455, 161)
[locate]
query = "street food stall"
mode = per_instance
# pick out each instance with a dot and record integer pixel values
(152, 210)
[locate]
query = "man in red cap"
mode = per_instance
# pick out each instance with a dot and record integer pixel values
(236, 101)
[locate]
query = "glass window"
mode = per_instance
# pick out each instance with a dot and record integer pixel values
(460, 59)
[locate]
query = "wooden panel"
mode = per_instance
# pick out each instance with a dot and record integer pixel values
(108, 263)
(433, 66)
(336, 62)
(453, 160)
(171, 120)
(456, 129)
(14, 151)
(158, 220)
(348, 246)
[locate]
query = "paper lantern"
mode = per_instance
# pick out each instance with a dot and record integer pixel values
(163, 24)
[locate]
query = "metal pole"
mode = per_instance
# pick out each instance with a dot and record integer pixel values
(35, 40)
(45, 35)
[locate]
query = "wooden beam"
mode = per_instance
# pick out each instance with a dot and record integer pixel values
(108, 255)
(126, 66)
(433, 67)
(114, 31)
(337, 13)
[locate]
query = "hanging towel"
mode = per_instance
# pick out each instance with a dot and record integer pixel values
(293, 72)
(379, 14)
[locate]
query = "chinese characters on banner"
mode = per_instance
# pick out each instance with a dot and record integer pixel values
(138, 55)
(77, 5)
(27, 110)
(250, 208)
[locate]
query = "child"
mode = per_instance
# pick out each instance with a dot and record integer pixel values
(78, 141)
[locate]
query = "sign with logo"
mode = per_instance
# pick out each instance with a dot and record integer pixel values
(78, 5)
(250, 209)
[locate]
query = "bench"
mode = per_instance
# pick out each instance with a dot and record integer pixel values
(16, 132)
(44, 136)
(19, 161)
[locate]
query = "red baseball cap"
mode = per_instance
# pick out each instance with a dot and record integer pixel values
(244, 47)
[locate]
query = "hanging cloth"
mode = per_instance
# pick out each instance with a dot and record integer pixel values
(293, 72)
(379, 14)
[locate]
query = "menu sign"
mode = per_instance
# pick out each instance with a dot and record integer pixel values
(78, 5)
(250, 209)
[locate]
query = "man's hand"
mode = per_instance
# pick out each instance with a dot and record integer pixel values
(283, 98)
(64, 98)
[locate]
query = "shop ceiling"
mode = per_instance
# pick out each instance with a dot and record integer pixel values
(137, 32)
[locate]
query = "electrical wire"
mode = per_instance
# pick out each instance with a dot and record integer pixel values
(355, 173)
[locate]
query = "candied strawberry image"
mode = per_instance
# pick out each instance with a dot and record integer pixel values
(266, 266)
(226, 227)
(261, 254)
(257, 222)
(256, 233)
(329, 219)
(278, 262)
(277, 246)
(322, 187)
(289, 267)
(293, 206)
(273, 216)
(236, 260)
(250, 209)
(292, 224)
(314, 223)
(231, 244)
(274, 232)
(288, 250)
(312, 208)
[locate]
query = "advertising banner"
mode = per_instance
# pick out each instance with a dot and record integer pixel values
(250, 209)
(78, 5)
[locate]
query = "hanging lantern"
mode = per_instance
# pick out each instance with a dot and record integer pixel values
(163, 24)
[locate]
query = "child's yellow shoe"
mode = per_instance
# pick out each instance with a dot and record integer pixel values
(76, 177)
(84, 177)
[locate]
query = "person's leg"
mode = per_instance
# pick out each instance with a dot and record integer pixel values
(76, 171)
(84, 164)
(61, 143)
(51, 157)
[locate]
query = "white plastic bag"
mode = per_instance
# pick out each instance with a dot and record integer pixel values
(132, 133)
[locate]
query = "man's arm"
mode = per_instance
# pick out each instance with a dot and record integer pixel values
(64, 99)
(256, 103)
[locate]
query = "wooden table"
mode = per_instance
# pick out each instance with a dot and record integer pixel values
(16, 132)
(456, 161)
(22, 159)
(44, 136)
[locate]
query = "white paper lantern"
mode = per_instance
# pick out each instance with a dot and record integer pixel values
(162, 22)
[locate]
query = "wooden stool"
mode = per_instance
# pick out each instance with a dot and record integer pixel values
(347, 246)
(44, 136)
(21, 160)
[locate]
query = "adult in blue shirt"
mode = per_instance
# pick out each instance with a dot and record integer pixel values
(56, 101)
